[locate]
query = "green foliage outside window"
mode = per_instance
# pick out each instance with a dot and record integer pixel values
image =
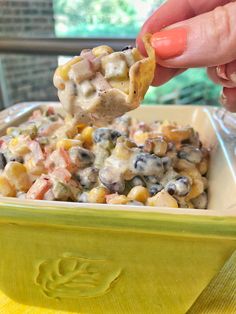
(101, 18)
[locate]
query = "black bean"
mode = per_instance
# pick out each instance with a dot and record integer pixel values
(179, 187)
(147, 164)
(151, 179)
(182, 154)
(183, 179)
(154, 189)
(190, 153)
(114, 135)
(17, 158)
(127, 48)
(87, 177)
(75, 90)
(112, 179)
(3, 161)
(140, 162)
(85, 155)
(53, 118)
(171, 189)
(167, 162)
(105, 134)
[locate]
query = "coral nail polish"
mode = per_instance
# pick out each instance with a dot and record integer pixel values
(169, 43)
(221, 72)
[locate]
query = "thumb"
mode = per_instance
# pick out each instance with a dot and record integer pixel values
(206, 40)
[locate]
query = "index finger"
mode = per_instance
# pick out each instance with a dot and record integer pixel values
(174, 11)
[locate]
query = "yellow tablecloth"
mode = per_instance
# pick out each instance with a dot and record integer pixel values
(8, 306)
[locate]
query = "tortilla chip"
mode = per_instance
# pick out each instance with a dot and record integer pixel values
(120, 97)
(141, 74)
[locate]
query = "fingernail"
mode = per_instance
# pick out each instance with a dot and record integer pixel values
(223, 98)
(233, 77)
(221, 72)
(169, 43)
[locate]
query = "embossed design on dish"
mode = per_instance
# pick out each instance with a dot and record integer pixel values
(76, 276)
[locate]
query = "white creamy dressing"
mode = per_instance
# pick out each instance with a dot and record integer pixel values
(89, 79)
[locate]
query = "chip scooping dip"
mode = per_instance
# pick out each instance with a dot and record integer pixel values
(100, 84)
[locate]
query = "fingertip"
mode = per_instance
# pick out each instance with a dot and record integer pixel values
(139, 40)
(214, 76)
(231, 107)
(228, 98)
(163, 75)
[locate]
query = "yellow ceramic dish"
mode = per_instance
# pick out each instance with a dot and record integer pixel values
(119, 259)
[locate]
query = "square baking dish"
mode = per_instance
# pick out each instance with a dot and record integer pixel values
(92, 258)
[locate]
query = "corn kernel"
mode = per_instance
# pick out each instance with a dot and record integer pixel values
(78, 137)
(34, 169)
(17, 147)
(140, 137)
(80, 127)
(6, 189)
(176, 134)
(122, 152)
(16, 173)
(118, 200)
(100, 50)
(193, 173)
(97, 195)
(12, 131)
(121, 85)
(182, 164)
(162, 199)
(203, 166)
(123, 149)
(205, 182)
(190, 204)
(68, 143)
(139, 193)
(196, 189)
(63, 70)
(158, 146)
(87, 135)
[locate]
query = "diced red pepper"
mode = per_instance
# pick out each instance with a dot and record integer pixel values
(36, 150)
(50, 128)
(50, 111)
(39, 188)
(58, 159)
(35, 115)
(65, 155)
(1, 143)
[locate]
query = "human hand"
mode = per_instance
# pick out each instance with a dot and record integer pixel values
(189, 33)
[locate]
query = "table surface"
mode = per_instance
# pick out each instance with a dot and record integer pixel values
(8, 306)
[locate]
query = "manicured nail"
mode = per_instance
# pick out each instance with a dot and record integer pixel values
(169, 43)
(221, 72)
(223, 98)
(233, 77)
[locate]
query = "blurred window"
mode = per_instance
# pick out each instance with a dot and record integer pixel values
(29, 77)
